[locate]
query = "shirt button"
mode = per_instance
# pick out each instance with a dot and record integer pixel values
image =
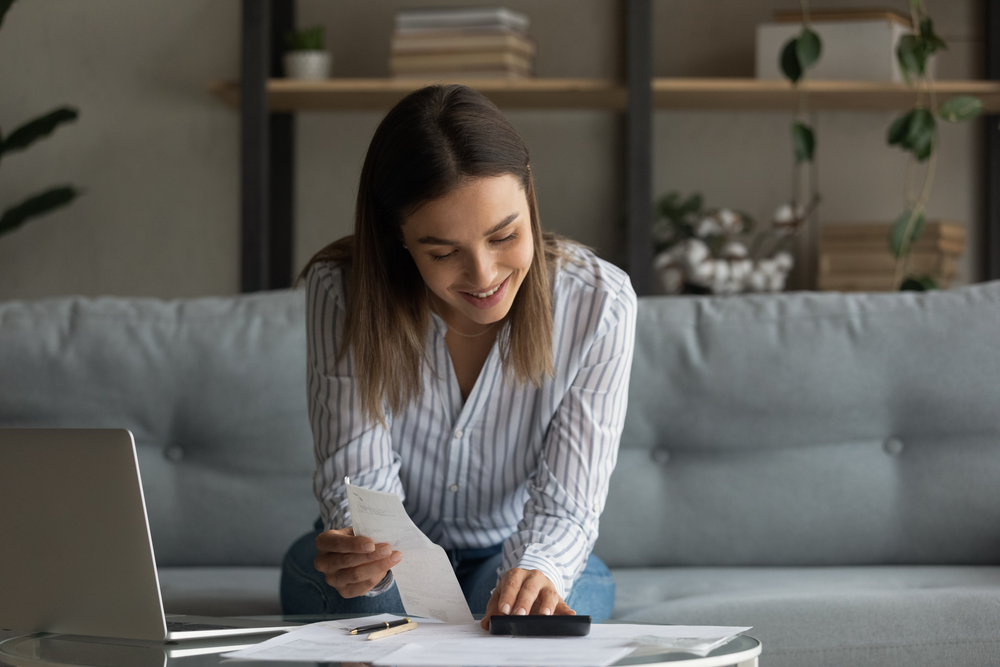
(453, 488)
(458, 433)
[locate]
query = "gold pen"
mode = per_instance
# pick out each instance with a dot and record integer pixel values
(384, 625)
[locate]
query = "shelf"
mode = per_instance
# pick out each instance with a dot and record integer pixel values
(718, 94)
(381, 94)
(750, 94)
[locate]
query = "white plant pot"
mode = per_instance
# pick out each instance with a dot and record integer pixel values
(309, 65)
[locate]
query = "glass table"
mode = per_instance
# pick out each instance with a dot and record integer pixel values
(54, 650)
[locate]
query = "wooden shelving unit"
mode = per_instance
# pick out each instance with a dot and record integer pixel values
(268, 105)
(721, 94)
(381, 94)
(750, 94)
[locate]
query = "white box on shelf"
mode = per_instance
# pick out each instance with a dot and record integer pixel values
(854, 49)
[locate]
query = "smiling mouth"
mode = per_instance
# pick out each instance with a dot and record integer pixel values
(488, 293)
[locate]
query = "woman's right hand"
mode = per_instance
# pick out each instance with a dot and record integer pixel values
(352, 565)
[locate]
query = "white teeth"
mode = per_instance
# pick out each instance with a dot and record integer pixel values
(483, 295)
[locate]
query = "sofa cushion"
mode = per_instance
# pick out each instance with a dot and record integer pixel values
(810, 429)
(860, 616)
(220, 591)
(213, 389)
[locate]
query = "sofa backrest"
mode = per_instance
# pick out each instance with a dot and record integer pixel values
(811, 429)
(795, 429)
(213, 389)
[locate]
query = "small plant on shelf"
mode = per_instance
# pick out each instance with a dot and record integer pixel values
(916, 133)
(308, 39)
(305, 57)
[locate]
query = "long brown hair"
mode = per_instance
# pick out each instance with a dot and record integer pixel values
(427, 146)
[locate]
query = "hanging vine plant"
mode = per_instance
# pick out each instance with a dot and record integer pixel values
(916, 132)
(798, 55)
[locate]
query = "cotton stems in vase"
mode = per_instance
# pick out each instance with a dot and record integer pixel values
(916, 132)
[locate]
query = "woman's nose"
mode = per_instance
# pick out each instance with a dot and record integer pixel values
(480, 269)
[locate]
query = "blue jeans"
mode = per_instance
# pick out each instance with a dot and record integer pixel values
(304, 589)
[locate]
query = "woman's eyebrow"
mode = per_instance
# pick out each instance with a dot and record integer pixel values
(434, 240)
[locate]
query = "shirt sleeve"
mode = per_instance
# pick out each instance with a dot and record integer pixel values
(345, 443)
(568, 491)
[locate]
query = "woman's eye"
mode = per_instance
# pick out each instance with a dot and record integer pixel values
(438, 258)
(506, 239)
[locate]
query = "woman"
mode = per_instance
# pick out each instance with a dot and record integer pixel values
(462, 360)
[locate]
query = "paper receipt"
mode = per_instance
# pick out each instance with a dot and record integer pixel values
(426, 581)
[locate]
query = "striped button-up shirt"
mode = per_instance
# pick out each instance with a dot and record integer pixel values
(518, 464)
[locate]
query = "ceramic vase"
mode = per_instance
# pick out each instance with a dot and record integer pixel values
(307, 65)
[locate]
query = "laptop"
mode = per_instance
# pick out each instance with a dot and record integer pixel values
(77, 557)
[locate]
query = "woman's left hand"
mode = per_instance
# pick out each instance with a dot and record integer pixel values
(523, 592)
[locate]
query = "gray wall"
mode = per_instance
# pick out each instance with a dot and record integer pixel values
(158, 155)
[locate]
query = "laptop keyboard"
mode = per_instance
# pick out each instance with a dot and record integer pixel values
(180, 626)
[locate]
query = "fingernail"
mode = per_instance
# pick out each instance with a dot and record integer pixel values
(396, 557)
(369, 546)
(384, 550)
(546, 611)
(521, 611)
(505, 608)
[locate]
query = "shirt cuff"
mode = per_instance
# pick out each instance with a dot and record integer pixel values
(381, 587)
(534, 561)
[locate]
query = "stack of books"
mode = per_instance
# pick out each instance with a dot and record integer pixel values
(462, 42)
(855, 257)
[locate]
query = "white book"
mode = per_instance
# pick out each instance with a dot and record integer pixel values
(461, 17)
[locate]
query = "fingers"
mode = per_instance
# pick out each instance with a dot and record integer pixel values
(547, 602)
(331, 561)
(343, 541)
(563, 609)
(350, 577)
(491, 608)
(510, 586)
(354, 590)
(529, 591)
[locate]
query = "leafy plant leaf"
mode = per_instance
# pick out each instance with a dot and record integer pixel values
(921, 133)
(667, 205)
(899, 129)
(307, 39)
(803, 142)
(898, 236)
(692, 205)
(922, 283)
(932, 42)
(33, 130)
(912, 55)
(960, 109)
(4, 6)
(808, 48)
(789, 61)
(35, 206)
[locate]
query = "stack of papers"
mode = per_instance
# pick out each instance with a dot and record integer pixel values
(466, 644)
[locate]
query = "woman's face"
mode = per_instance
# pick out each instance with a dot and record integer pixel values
(473, 248)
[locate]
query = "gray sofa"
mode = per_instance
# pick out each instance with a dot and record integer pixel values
(823, 467)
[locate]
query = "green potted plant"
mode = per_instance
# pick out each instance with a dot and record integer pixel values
(18, 140)
(305, 57)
